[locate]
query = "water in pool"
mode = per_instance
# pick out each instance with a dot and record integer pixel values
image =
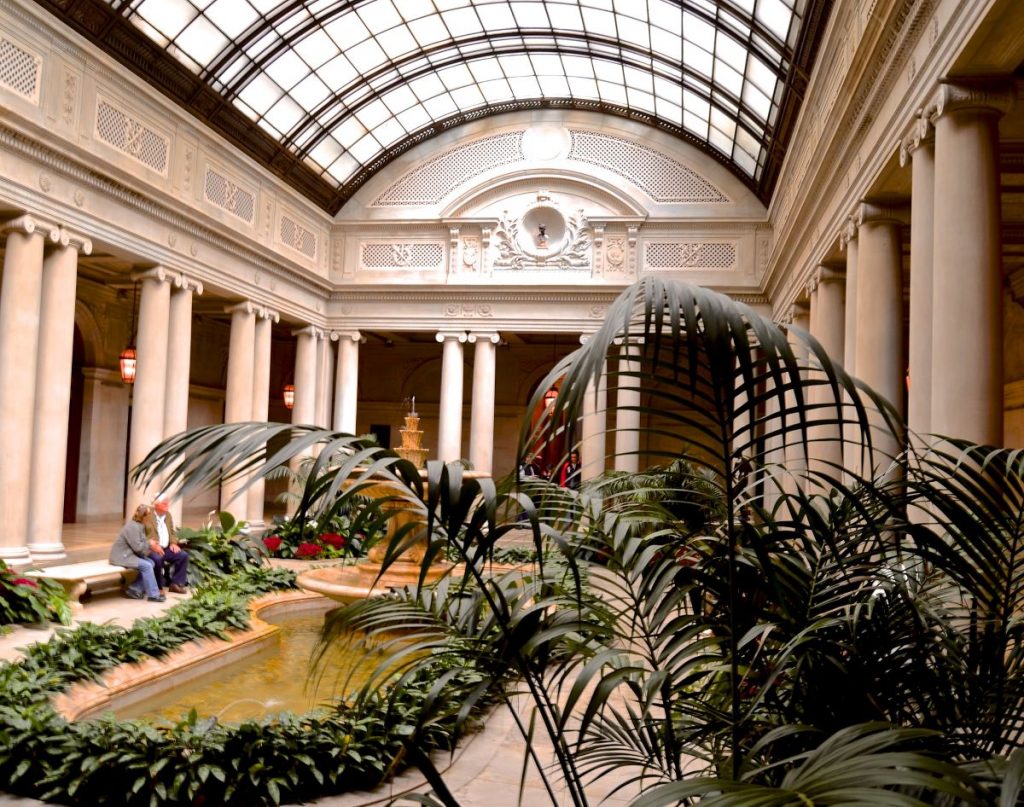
(275, 680)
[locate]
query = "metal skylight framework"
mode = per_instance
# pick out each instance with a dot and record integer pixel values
(343, 87)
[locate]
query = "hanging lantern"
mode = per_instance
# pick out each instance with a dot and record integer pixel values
(289, 395)
(128, 363)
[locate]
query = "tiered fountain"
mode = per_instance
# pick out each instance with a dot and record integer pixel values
(350, 583)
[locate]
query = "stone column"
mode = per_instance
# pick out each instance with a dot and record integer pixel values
(149, 393)
(967, 309)
(919, 149)
(449, 425)
(828, 327)
(304, 410)
(19, 341)
(848, 241)
(346, 389)
(53, 397)
(265, 318)
(795, 452)
(324, 365)
(481, 424)
(627, 407)
(879, 310)
(593, 428)
(179, 364)
(238, 396)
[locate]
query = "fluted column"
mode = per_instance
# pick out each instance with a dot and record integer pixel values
(594, 428)
(627, 407)
(481, 424)
(449, 426)
(967, 316)
(53, 396)
(265, 318)
(346, 390)
(150, 388)
(19, 342)
(919, 149)
(238, 397)
(179, 365)
(828, 327)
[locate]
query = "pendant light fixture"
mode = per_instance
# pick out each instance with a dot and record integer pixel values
(128, 361)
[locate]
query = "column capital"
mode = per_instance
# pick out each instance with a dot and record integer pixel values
(484, 336)
(157, 273)
(243, 307)
(585, 337)
(983, 98)
(262, 312)
(310, 330)
(446, 336)
(628, 341)
(184, 283)
(798, 310)
(920, 133)
(870, 213)
(847, 233)
(827, 274)
(350, 336)
(29, 224)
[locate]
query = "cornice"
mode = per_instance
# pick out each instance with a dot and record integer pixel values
(18, 143)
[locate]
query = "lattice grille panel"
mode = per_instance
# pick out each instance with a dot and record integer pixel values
(20, 70)
(298, 237)
(433, 180)
(657, 174)
(689, 255)
(131, 137)
(224, 193)
(403, 256)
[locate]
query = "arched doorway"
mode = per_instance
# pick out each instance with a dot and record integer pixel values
(74, 429)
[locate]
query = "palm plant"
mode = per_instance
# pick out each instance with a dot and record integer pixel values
(824, 634)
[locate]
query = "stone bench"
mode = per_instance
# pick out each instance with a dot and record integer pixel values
(94, 576)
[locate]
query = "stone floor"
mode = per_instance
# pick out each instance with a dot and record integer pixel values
(484, 772)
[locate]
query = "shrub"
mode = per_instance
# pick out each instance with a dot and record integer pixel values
(28, 599)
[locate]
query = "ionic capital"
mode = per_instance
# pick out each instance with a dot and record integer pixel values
(448, 336)
(869, 213)
(158, 274)
(484, 336)
(921, 133)
(828, 274)
(183, 282)
(350, 336)
(30, 224)
(988, 98)
(268, 313)
(628, 341)
(848, 232)
(244, 307)
(311, 331)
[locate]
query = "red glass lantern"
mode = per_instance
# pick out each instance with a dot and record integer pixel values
(289, 395)
(128, 363)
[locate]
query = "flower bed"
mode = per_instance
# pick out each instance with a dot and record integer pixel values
(310, 541)
(199, 761)
(28, 600)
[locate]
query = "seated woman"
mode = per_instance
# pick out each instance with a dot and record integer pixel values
(131, 550)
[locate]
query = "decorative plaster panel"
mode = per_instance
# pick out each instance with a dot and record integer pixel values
(20, 70)
(676, 255)
(295, 236)
(399, 255)
(225, 194)
(127, 134)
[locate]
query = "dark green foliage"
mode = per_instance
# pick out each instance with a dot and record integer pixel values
(219, 549)
(31, 599)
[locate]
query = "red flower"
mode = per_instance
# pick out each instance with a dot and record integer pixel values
(307, 550)
(272, 543)
(332, 539)
(24, 581)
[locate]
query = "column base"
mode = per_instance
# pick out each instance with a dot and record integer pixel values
(46, 553)
(15, 556)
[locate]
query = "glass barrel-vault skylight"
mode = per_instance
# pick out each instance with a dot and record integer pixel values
(338, 84)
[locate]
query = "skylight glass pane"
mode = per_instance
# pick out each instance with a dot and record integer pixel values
(365, 149)
(389, 132)
(202, 41)
(231, 16)
(169, 17)
(260, 94)
(525, 87)
(496, 90)
(326, 152)
(565, 17)
(399, 99)
(428, 30)
(337, 73)
(496, 17)
(347, 30)
(366, 55)
(775, 15)
(310, 92)
(344, 167)
(529, 15)
(599, 22)
(633, 31)
(285, 114)
(373, 113)
(414, 118)
(288, 70)
(317, 48)
(612, 93)
(583, 87)
(462, 21)
(379, 15)
(467, 97)
(397, 41)
(349, 132)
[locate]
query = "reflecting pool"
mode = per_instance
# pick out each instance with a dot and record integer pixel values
(274, 680)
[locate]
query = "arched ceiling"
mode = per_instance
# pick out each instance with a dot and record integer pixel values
(325, 92)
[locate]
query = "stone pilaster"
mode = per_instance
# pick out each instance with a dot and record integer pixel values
(481, 425)
(53, 396)
(449, 426)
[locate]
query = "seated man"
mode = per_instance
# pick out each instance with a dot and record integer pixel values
(169, 559)
(131, 550)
